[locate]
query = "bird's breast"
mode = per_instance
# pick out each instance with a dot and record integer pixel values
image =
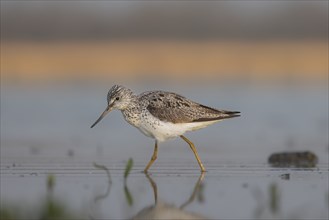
(132, 116)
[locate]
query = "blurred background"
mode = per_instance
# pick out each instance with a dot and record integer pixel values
(267, 59)
(282, 41)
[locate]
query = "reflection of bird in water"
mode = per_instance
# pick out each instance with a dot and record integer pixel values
(163, 115)
(161, 210)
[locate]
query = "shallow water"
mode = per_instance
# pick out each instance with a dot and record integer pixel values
(47, 131)
(234, 191)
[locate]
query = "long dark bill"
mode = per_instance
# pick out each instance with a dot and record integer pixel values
(107, 110)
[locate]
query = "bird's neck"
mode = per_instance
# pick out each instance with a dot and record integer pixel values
(132, 113)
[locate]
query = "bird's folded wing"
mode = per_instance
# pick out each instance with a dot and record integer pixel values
(171, 107)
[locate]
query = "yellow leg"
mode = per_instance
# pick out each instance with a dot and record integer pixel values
(154, 157)
(195, 153)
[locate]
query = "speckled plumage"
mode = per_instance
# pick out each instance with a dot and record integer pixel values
(163, 115)
(174, 108)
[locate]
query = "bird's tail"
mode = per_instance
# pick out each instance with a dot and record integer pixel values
(230, 114)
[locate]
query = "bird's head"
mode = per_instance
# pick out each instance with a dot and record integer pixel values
(119, 98)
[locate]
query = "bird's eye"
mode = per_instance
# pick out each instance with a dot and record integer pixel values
(117, 98)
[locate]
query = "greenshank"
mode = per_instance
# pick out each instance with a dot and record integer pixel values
(163, 115)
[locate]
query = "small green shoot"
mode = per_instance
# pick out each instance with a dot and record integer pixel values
(128, 195)
(129, 165)
(274, 198)
(106, 194)
(50, 182)
(102, 167)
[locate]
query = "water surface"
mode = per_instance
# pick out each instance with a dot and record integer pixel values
(47, 131)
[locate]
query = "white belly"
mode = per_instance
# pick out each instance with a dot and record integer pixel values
(163, 131)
